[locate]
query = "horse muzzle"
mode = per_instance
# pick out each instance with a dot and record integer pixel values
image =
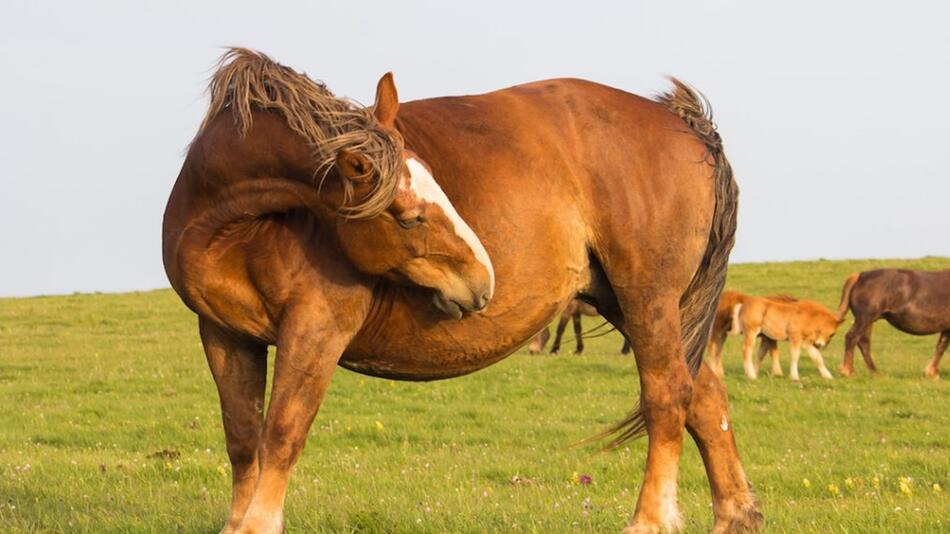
(455, 307)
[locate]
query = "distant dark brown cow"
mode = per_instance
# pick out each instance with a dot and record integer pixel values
(916, 302)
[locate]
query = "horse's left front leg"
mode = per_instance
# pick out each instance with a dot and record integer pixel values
(654, 327)
(307, 354)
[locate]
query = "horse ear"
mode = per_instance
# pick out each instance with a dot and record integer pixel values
(352, 166)
(387, 101)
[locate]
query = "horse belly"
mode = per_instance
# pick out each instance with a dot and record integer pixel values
(918, 322)
(445, 349)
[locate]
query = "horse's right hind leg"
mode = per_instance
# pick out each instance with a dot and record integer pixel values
(933, 368)
(708, 422)
(240, 371)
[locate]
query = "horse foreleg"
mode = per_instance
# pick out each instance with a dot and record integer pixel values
(933, 368)
(239, 368)
(665, 389)
(815, 355)
(708, 422)
(306, 357)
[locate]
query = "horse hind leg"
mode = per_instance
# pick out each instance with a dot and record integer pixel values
(239, 369)
(864, 344)
(559, 332)
(762, 351)
(751, 370)
(707, 420)
(539, 341)
(776, 359)
(933, 368)
(859, 331)
(578, 334)
(714, 351)
(653, 326)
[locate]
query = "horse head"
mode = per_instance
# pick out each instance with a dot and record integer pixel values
(418, 237)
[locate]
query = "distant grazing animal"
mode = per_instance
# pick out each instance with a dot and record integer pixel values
(801, 323)
(573, 312)
(722, 326)
(915, 302)
(375, 239)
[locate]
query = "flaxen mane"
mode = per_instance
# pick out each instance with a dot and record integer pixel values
(699, 302)
(246, 79)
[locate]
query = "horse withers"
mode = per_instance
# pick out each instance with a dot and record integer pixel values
(912, 301)
(410, 241)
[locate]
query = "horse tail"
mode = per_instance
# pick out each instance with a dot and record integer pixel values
(700, 300)
(846, 296)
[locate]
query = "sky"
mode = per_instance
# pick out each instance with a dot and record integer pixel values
(834, 114)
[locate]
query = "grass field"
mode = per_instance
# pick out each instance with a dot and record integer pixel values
(110, 423)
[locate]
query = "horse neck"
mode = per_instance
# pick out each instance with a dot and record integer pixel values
(228, 180)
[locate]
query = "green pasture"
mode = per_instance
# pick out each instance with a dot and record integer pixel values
(110, 423)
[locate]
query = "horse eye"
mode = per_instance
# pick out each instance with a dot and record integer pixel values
(411, 223)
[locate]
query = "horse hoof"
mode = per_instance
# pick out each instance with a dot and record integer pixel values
(747, 520)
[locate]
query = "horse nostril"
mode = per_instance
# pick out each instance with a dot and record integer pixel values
(482, 301)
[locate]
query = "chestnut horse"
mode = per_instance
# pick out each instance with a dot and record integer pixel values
(573, 313)
(374, 238)
(915, 302)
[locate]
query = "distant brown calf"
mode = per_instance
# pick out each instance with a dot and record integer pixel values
(722, 327)
(802, 323)
(574, 311)
(915, 302)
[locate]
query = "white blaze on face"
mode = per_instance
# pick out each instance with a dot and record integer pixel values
(427, 189)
